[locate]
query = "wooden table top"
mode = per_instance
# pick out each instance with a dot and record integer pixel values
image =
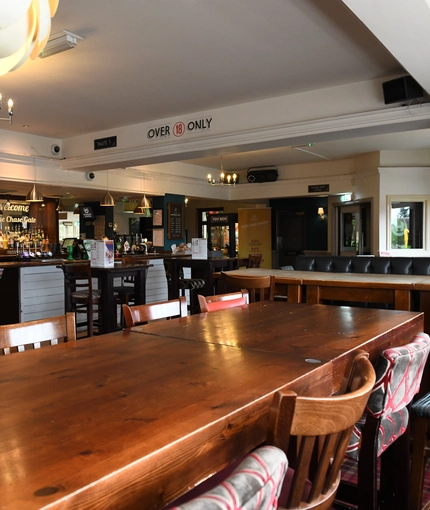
(130, 420)
(317, 331)
(327, 278)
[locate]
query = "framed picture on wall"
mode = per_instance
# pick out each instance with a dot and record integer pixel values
(157, 217)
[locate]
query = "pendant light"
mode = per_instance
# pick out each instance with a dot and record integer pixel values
(108, 200)
(144, 206)
(34, 194)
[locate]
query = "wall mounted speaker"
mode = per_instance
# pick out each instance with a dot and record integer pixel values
(401, 89)
(262, 174)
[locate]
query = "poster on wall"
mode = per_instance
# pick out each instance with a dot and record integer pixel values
(255, 233)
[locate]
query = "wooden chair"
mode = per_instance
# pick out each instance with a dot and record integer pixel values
(15, 337)
(255, 483)
(383, 431)
(254, 259)
(420, 450)
(314, 433)
(141, 314)
(125, 291)
(80, 297)
(260, 288)
(221, 301)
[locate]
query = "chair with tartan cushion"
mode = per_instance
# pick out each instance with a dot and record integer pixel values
(383, 431)
(254, 485)
(420, 450)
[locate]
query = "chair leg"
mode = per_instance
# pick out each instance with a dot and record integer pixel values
(418, 462)
(394, 475)
(367, 467)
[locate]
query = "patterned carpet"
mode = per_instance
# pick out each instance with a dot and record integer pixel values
(349, 474)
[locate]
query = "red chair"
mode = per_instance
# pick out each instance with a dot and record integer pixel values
(222, 301)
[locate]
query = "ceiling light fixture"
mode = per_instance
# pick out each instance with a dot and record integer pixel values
(9, 109)
(34, 194)
(60, 206)
(224, 179)
(59, 42)
(25, 28)
(108, 200)
(144, 206)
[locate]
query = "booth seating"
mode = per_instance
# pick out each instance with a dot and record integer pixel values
(364, 264)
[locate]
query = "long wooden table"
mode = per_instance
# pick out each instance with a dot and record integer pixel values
(319, 287)
(132, 419)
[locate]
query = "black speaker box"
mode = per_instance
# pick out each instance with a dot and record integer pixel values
(262, 174)
(401, 89)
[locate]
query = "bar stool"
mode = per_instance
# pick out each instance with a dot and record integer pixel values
(79, 295)
(190, 284)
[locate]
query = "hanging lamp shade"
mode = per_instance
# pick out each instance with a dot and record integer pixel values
(60, 206)
(143, 206)
(77, 209)
(108, 200)
(34, 195)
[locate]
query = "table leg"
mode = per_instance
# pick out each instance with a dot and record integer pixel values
(402, 300)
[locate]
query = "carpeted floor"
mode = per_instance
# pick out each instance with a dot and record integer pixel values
(349, 474)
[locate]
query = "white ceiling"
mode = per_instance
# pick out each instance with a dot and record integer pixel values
(143, 60)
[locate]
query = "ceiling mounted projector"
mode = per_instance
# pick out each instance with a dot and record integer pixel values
(61, 41)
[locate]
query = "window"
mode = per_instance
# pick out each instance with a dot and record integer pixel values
(406, 225)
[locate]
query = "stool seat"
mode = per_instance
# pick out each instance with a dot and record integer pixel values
(84, 295)
(191, 283)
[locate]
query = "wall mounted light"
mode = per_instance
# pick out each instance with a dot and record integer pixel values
(9, 110)
(225, 179)
(321, 213)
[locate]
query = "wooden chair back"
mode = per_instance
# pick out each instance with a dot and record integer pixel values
(79, 294)
(260, 288)
(314, 433)
(34, 334)
(222, 301)
(254, 259)
(141, 314)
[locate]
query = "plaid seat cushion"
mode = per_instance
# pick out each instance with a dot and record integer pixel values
(255, 483)
(399, 372)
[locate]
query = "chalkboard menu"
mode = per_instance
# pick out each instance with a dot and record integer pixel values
(175, 221)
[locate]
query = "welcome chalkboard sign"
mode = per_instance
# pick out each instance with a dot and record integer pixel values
(175, 221)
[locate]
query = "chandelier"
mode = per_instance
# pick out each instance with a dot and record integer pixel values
(225, 179)
(25, 28)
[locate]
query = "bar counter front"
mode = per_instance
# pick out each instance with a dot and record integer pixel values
(133, 419)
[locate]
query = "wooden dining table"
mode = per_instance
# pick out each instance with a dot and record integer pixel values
(133, 419)
(316, 287)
